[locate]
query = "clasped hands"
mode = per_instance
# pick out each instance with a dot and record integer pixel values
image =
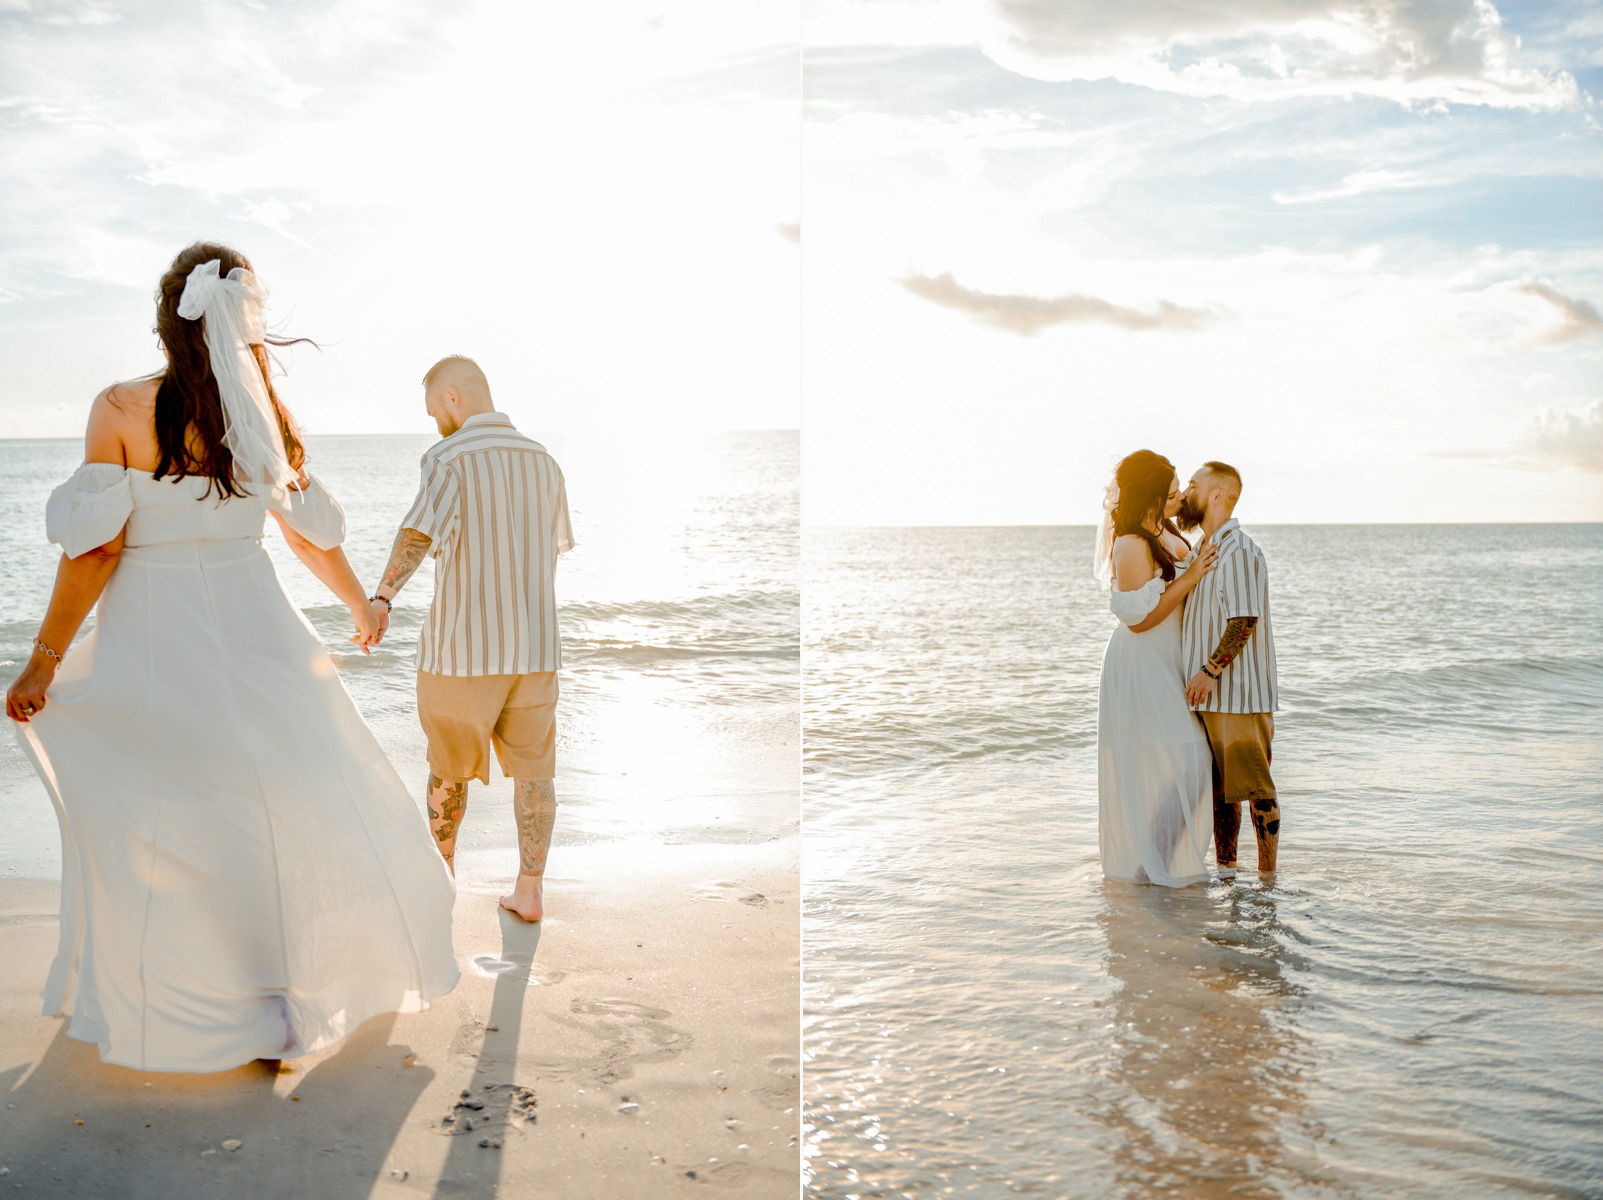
(372, 618)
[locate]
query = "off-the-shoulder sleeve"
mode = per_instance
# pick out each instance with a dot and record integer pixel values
(90, 509)
(1133, 606)
(313, 513)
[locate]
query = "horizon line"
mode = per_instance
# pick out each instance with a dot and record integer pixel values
(809, 528)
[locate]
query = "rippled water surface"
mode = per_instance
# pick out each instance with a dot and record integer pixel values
(1414, 1006)
(679, 611)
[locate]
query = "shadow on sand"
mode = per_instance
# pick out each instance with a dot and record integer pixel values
(472, 1166)
(324, 1133)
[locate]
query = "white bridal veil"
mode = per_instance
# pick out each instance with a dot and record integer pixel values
(232, 312)
(1102, 564)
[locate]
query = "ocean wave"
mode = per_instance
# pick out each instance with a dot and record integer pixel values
(1489, 694)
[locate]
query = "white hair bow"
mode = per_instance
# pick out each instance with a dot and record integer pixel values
(232, 314)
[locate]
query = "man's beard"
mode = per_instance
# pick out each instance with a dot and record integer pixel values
(1190, 516)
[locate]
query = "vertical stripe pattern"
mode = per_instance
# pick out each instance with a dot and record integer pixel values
(495, 506)
(1237, 587)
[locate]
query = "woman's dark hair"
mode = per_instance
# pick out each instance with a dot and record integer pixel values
(1144, 478)
(189, 410)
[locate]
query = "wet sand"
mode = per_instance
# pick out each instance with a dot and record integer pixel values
(641, 1041)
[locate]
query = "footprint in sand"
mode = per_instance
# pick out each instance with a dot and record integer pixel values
(784, 1091)
(625, 1034)
(730, 1174)
(494, 967)
(490, 1112)
(728, 889)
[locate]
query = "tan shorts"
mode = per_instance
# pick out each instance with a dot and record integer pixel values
(1241, 754)
(464, 715)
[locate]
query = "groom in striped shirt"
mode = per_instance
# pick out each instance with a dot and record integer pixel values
(1230, 647)
(493, 510)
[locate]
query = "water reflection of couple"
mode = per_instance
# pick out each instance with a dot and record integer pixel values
(1188, 689)
(244, 875)
(1208, 1061)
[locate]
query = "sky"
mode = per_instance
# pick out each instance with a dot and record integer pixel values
(1351, 248)
(599, 202)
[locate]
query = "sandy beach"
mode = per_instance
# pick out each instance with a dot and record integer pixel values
(641, 1041)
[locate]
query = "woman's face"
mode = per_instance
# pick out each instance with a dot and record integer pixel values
(1171, 506)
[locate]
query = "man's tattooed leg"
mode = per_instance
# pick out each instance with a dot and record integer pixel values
(1226, 830)
(447, 802)
(535, 805)
(1266, 824)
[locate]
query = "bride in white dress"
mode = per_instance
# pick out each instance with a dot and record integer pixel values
(1154, 771)
(243, 873)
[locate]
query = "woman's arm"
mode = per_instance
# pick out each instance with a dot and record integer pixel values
(333, 570)
(79, 581)
(1133, 568)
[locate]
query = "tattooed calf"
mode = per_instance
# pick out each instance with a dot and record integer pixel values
(534, 802)
(1226, 831)
(444, 820)
(1266, 824)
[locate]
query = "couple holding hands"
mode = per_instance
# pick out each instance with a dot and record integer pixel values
(244, 874)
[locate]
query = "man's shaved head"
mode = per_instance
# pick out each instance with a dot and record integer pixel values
(454, 391)
(460, 372)
(1225, 476)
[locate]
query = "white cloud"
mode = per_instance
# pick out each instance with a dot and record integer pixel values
(1567, 437)
(1028, 315)
(1578, 318)
(1414, 52)
(1553, 438)
(1357, 184)
(536, 184)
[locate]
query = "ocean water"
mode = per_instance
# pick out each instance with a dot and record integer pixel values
(1413, 1008)
(679, 610)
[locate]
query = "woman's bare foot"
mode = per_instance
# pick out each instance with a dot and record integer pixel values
(526, 899)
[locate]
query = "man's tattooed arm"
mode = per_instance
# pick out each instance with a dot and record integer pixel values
(410, 548)
(1235, 637)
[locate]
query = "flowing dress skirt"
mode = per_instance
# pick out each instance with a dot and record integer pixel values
(1154, 771)
(244, 875)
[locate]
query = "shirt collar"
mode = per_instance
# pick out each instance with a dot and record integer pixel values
(1232, 523)
(489, 418)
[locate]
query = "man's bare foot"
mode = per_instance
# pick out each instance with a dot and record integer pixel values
(526, 899)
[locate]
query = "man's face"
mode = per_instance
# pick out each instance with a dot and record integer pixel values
(1194, 504)
(435, 401)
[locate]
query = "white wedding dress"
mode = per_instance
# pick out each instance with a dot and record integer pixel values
(243, 873)
(1154, 770)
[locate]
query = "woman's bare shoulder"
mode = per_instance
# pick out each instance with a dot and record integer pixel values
(135, 398)
(122, 423)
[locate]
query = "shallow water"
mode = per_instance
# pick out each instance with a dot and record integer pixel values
(679, 611)
(1413, 1007)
